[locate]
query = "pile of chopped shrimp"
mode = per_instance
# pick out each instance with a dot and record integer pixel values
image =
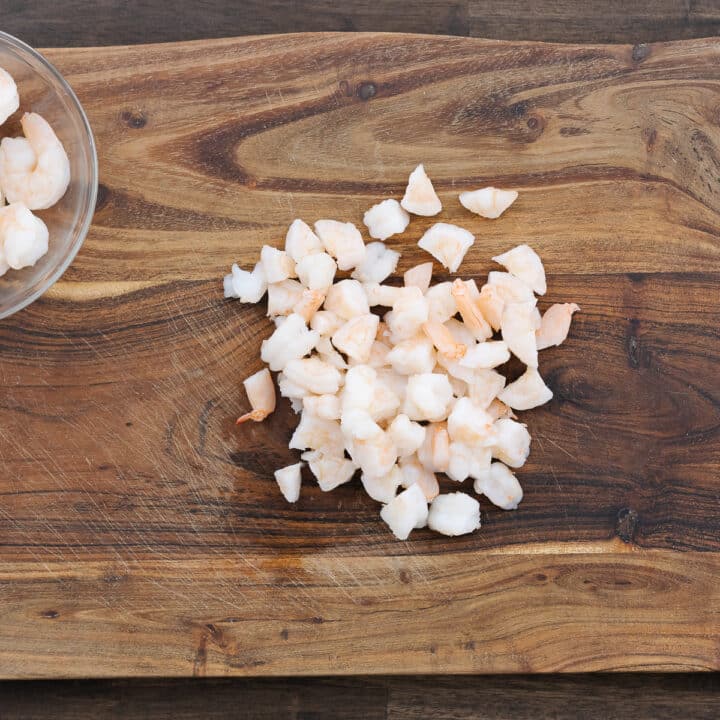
(414, 391)
(34, 175)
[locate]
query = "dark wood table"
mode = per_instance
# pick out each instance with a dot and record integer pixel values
(72, 23)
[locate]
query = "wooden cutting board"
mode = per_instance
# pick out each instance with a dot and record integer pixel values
(142, 532)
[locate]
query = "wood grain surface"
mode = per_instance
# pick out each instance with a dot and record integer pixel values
(143, 533)
(53, 23)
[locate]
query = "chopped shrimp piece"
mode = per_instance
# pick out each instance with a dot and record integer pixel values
(385, 402)
(500, 486)
(9, 98)
(316, 271)
(434, 453)
(405, 512)
(488, 202)
(460, 387)
(441, 303)
(413, 473)
(317, 376)
(248, 287)
(397, 384)
(329, 354)
(379, 352)
(324, 406)
(411, 357)
(290, 341)
(376, 455)
(356, 337)
(380, 261)
(359, 425)
(485, 386)
(518, 331)
(447, 244)
(325, 322)
(283, 297)
(23, 237)
(497, 409)
(454, 369)
(488, 354)
(555, 325)
(329, 470)
(510, 288)
(470, 311)
(420, 197)
(460, 332)
(419, 276)
(317, 434)
(301, 241)
(468, 423)
(277, 264)
(385, 219)
(491, 305)
(466, 461)
(291, 390)
(428, 397)
(384, 488)
(512, 444)
(359, 388)
(409, 312)
(34, 170)
(443, 340)
(289, 479)
(384, 295)
(524, 263)
(261, 394)
(527, 392)
(308, 304)
(454, 514)
(347, 299)
(343, 241)
(407, 435)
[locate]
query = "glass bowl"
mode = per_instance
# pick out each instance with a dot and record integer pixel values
(43, 90)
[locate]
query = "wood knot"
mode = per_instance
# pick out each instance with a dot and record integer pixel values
(366, 90)
(640, 52)
(404, 576)
(536, 123)
(284, 634)
(134, 119)
(50, 614)
(627, 520)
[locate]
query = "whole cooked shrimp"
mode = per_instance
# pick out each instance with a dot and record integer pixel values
(9, 99)
(34, 170)
(23, 237)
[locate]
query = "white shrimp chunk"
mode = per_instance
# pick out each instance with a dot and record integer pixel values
(500, 486)
(518, 331)
(466, 294)
(428, 397)
(488, 202)
(485, 386)
(329, 354)
(405, 512)
(317, 434)
(409, 312)
(441, 302)
(419, 276)
(385, 402)
(486, 355)
(317, 376)
(329, 470)
(420, 197)
(491, 303)
(434, 453)
(407, 435)
(4, 267)
(343, 241)
(289, 479)
(376, 455)
(447, 243)
(384, 488)
(393, 382)
(384, 295)
(359, 425)
(34, 170)
(283, 297)
(290, 341)
(524, 263)
(454, 514)
(316, 271)
(455, 370)
(359, 388)
(380, 262)
(261, 394)
(555, 325)
(385, 219)
(277, 264)
(356, 337)
(326, 406)
(412, 357)
(512, 443)
(379, 352)
(510, 288)
(23, 236)
(309, 302)
(325, 322)
(301, 241)
(414, 473)
(347, 299)
(465, 461)
(248, 287)
(291, 390)
(9, 98)
(527, 392)
(468, 423)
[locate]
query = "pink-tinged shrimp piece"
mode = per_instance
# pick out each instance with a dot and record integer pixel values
(443, 340)
(309, 303)
(491, 304)
(420, 197)
(470, 312)
(261, 394)
(555, 325)
(498, 409)
(419, 276)
(413, 473)
(434, 453)
(488, 202)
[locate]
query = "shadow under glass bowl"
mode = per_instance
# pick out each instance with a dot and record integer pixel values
(43, 90)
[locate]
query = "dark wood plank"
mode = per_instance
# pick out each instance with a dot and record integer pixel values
(592, 697)
(108, 22)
